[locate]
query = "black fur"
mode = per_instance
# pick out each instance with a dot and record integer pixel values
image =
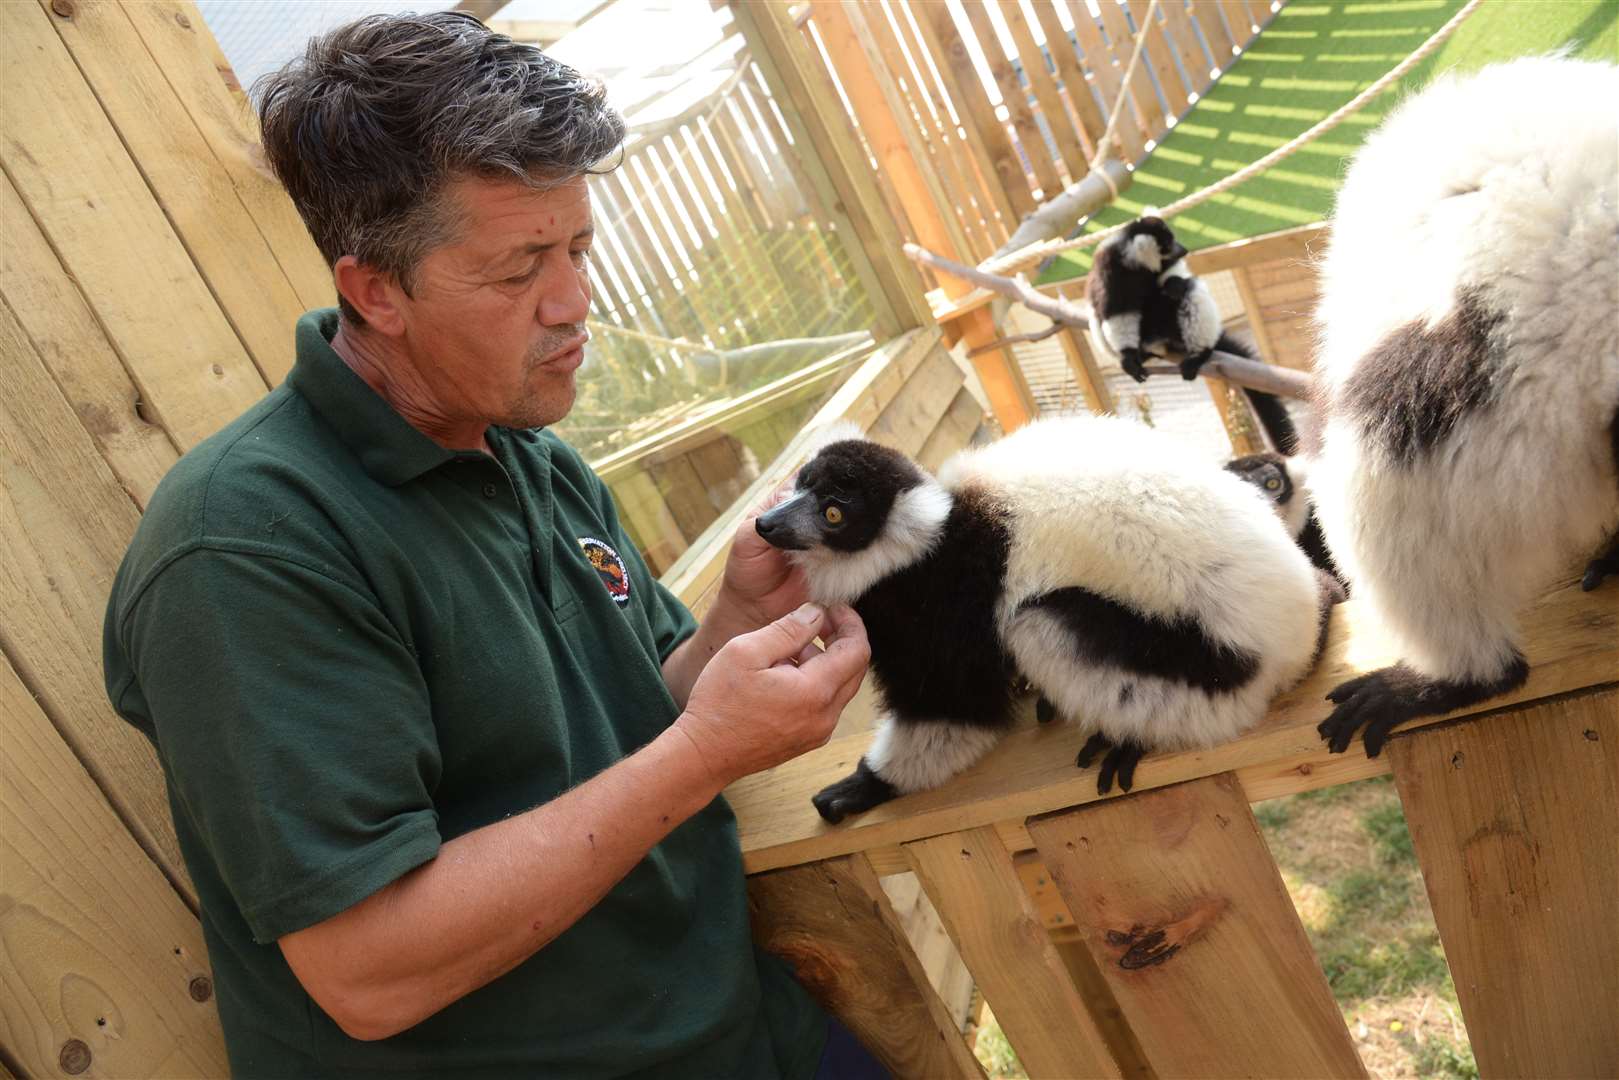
(854, 794)
(861, 479)
(1114, 634)
(1120, 762)
(1409, 393)
(1382, 699)
(935, 652)
(1118, 286)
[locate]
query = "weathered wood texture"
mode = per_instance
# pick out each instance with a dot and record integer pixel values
(100, 962)
(1512, 816)
(974, 886)
(1185, 914)
(833, 923)
(1571, 639)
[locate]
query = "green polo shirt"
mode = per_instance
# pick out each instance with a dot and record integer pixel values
(350, 645)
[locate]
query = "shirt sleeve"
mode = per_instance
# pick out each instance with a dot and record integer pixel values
(295, 727)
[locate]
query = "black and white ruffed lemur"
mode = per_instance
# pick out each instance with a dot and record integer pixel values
(1150, 596)
(1468, 371)
(1282, 480)
(1145, 299)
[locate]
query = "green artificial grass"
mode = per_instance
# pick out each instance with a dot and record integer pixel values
(1311, 59)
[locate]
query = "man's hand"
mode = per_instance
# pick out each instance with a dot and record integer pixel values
(759, 585)
(770, 695)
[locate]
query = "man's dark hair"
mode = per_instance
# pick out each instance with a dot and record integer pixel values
(372, 123)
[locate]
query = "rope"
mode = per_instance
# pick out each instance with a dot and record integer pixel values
(1125, 95)
(1039, 251)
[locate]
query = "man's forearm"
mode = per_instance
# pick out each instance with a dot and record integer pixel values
(495, 896)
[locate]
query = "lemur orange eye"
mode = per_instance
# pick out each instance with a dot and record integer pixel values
(833, 515)
(1272, 484)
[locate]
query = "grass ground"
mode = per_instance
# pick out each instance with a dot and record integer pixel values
(1311, 59)
(1346, 858)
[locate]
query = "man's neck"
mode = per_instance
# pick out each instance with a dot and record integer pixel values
(389, 372)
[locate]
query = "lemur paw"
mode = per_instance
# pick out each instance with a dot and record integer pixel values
(1191, 365)
(1131, 360)
(854, 794)
(1120, 762)
(1044, 711)
(1379, 700)
(1605, 567)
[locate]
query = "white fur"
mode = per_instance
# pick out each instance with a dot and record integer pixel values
(1296, 514)
(1502, 183)
(1127, 512)
(1120, 332)
(912, 528)
(1199, 316)
(918, 755)
(1143, 251)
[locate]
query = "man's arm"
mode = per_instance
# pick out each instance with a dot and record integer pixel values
(495, 896)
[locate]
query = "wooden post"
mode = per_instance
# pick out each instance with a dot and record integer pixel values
(1087, 373)
(837, 164)
(1177, 899)
(1512, 816)
(833, 923)
(971, 880)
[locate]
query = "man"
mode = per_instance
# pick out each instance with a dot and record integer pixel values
(443, 758)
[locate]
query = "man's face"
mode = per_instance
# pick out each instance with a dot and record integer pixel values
(496, 324)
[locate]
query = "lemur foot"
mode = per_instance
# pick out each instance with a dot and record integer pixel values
(1093, 746)
(1603, 566)
(1191, 365)
(854, 794)
(1381, 700)
(1131, 360)
(1044, 711)
(1120, 762)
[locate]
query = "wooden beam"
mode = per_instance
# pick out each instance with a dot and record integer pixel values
(1304, 243)
(834, 925)
(1033, 62)
(998, 371)
(1571, 639)
(1087, 372)
(1512, 816)
(101, 965)
(1016, 100)
(837, 164)
(1177, 900)
(973, 884)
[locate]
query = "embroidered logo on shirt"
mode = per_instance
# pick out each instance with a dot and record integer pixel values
(609, 567)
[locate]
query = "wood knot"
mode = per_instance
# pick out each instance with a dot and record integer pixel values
(1305, 769)
(201, 988)
(1456, 759)
(75, 1055)
(1591, 734)
(65, 9)
(181, 20)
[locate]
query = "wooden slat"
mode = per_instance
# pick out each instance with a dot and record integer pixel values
(1016, 101)
(1302, 244)
(1571, 639)
(954, 430)
(986, 136)
(838, 166)
(1087, 372)
(89, 199)
(1058, 123)
(1108, 77)
(1238, 19)
(1235, 417)
(60, 326)
(1177, 900)
(834, 925)
(1149, 113)
(998, 371)
(971, 880)
(1512, 816)
(1178, 30)
(1207, 18)
(178, 40)
(94, 944)
(917, 409)
(196, 194)
(64, 525)
(1092, 122)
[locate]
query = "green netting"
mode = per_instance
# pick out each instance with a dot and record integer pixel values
(1310, 60)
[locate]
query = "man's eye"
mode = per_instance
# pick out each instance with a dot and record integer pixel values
(524, 278)
(833, 515)
(581, 257)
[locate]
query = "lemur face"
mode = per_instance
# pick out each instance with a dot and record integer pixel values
(1151, 245)
(1267, 472)
(842, 500)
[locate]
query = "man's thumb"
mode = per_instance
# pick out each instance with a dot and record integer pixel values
(786, 637)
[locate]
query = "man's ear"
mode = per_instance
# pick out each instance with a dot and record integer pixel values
(375, 295)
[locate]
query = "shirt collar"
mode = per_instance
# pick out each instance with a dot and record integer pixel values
(389, 449)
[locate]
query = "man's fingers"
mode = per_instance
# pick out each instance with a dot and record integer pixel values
(847, 650)
(808, 652)
(783, 639)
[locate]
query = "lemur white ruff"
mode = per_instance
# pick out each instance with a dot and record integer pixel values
(1469, 374)
(1145, 298)
(1154, 598)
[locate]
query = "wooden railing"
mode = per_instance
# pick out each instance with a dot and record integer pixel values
(1186, 955)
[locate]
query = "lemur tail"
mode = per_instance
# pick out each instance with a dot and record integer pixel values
(1267, 408)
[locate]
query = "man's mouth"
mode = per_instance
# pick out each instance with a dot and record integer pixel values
(569, 356)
